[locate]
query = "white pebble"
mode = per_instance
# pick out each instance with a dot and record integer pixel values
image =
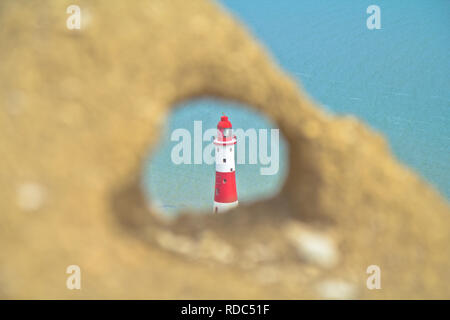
(336, 289)
(31, 196)
(314, 247)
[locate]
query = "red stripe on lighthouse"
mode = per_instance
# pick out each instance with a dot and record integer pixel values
(225, 189)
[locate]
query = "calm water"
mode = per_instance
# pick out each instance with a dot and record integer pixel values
(396, 79)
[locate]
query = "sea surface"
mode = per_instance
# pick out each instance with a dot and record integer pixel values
(395, 79)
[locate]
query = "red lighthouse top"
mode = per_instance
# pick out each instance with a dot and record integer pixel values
(224, 132)
(224, 123)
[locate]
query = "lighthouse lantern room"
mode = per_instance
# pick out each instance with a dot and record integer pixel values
(225, 195)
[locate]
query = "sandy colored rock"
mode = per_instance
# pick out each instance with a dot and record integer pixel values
(79, 112)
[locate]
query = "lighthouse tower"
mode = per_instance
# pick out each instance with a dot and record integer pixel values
(225, 195)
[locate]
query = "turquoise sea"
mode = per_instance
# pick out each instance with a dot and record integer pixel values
(396, 79)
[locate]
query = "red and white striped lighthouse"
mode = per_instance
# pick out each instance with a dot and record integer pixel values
(225, 195)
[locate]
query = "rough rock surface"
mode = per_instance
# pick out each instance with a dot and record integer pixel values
(79, 112)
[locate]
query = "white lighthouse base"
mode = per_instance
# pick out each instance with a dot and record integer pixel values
(220, 207)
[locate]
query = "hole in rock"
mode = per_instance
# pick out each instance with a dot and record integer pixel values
(180, 174)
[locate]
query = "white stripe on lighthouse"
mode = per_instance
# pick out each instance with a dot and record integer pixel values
(225, 158)
(222, 207)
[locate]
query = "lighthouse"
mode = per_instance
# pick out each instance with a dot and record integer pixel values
(225, 195)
